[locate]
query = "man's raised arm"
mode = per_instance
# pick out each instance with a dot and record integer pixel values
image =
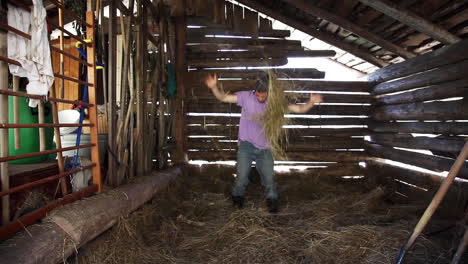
(211, 82)
(304, 108)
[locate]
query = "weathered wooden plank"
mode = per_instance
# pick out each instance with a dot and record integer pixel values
(198, 32)
(437, 76)
(312, 146)
(242, 41)
(421, 160)
(223, 120)
(413, 20)
(310, 8)
(446, 128)
(441, 57)
(447, 144)
(293, 132)
(213, 47)
(215, 63)
(200, 75)
(456, 110)
(203, 95)
(327, 37)
(458, 88)
(259, 54)
(341, 156)
(349, 110)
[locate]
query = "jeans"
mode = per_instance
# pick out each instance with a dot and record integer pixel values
(246, 154)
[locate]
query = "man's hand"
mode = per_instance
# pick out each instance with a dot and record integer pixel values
(211, 81)
(316, 98)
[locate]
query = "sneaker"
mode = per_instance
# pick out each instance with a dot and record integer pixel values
(238, 201)
(272, 205)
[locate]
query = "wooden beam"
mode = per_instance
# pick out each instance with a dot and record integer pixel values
(111, 97)
(181, 71)
(313, 10)
(329, 38)
(458, 88)
(348, 110)
(293, 132)
(4, 149)
(417, 159)
(314, 145)
(437, 76)
(446, 128)
(265, 54)
(447, 144)
(423, 111)
(413, 20)
(200, 75)
(242, 41)
(441, 57)
(339, 156)
(224, 120)
(203, 96)
(257, 62)
(191, 32)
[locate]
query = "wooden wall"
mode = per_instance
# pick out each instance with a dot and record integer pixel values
(212, 132)
(421, 104)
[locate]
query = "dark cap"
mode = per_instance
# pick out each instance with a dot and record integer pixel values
(262, 83)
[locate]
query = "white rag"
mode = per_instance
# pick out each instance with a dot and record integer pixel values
(34, 54)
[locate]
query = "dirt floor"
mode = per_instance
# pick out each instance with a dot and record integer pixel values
(321, 220)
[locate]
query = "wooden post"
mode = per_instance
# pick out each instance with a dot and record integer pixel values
(62, 47)
(181, 70)
(438, 197)
(91, 54)
(111, 67)
(5, 180)
(16, 112)
(411, 19)
(40, 112)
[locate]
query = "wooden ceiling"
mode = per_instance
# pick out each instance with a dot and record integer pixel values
(380, 32)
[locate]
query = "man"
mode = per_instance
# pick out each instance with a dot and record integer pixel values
(252, 142)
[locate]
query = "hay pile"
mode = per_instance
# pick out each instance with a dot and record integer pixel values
(194, 222)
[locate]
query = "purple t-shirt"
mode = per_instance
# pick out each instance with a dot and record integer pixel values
(250, 127)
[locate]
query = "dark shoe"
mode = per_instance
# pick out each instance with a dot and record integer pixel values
(272, 205)
(238, 201)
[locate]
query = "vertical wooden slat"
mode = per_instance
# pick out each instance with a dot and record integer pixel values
(16, 112)
(62, 69)
(181, 70)
(91, 54)
(40, 113)
(4, 132)
(111, 175)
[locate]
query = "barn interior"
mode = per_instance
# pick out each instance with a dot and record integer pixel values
(130, 158)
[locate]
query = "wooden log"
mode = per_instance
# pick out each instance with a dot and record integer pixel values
(111, 108)
(455, 110)
(199, 75)
(223, 120)
(313, 145)
(316, 11)
(413, 20)
(340, 156)
(4, 146)
(293, 132)
(446, 144)
(199, 88)
(417, 159)
(437, 76)
(242, 41)
(348, 110)
(447, 55)
(446, 128)
(214, 63)
(214, 47)
(203, 96)
(72, 226)
(261, 54)
(458, 88)
(198, 32)
(329, 38)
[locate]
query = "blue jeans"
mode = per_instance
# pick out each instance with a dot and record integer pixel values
(263, 158)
